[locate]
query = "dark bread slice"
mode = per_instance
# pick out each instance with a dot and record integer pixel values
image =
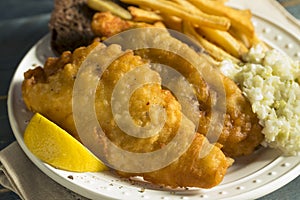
(70, 25)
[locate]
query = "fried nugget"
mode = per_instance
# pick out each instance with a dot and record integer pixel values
(105, 24)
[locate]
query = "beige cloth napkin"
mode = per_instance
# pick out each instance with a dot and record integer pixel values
(20, 175)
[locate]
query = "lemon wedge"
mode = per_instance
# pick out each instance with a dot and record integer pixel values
(54, 146)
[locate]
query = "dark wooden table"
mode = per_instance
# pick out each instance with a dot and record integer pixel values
(22, 23)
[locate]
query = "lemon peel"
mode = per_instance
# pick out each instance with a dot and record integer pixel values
(56, 147)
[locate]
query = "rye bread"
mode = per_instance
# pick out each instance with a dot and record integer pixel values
(70, 25)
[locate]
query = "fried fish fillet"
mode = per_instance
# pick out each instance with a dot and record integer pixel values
(241, 132)
(49, 90)
(189, 170)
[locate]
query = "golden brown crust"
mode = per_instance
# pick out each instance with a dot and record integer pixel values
(50, 93)
(190, 170)
(105, 24)
(241, 132)
(48, 90)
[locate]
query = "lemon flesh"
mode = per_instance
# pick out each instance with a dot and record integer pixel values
(55, 146)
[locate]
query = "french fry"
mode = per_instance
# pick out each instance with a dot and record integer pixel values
(240, 36)
(188, 6)
(248, 42)
(205, 20)
(246, 13)
(239, 19)
(103, 5)
(141, 15)
(214, 51)
(222, 1)
(172, 22)
(159, 24)
(224, 40)
(171, 8)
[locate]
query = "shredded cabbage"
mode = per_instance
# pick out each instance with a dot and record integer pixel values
(269, 81)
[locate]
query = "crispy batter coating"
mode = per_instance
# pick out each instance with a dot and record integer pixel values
(105, 24)
(241, 132)
(189, 170)
(139, 105)
(48, 91)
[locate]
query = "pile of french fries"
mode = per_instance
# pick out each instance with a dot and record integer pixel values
(223, 32)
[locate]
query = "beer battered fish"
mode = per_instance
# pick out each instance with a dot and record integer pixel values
(49, 90)
(241, 132)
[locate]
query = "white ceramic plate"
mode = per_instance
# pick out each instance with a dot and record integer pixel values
(250, 177)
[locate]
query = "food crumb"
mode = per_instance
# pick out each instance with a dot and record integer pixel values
(142, 190)
(71, 177)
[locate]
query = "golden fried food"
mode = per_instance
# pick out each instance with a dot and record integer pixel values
(224, 32)
(225, 41)
(141, 15)
(241, 132)
(103, 5)
(189, 170)
(48, 91)
(241, 19)
(214, 51)
(173, 9)
(105, 24)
